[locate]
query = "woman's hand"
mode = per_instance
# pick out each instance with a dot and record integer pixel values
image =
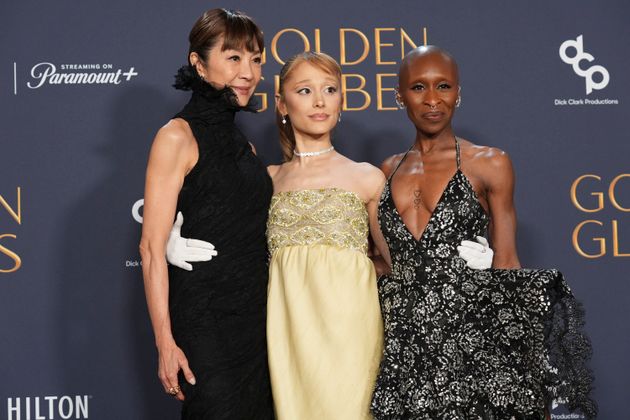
(171, 360)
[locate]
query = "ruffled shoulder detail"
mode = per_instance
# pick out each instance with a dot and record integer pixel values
(187, 79)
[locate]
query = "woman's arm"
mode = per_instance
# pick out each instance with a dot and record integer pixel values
(173, 154)
(498, 176)
(381, 257)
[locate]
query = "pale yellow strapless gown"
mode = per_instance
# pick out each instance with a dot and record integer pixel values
(324, 326)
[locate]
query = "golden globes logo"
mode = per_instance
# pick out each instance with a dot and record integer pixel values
(602, 233)
(15, 213)
(360, 91)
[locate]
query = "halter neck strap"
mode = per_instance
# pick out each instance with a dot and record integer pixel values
(457, 156)
(399, 163)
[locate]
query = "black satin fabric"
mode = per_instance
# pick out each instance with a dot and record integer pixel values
(218, 310)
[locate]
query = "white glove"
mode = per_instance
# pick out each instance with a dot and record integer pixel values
(478, 255)
(181, 251)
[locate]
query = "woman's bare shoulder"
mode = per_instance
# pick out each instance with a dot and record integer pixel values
(368, 171)
(366, 178)
(489, 164)
(175, 133)
(483, 156)
(391, 162)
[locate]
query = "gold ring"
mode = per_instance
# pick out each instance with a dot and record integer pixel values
(174, 390)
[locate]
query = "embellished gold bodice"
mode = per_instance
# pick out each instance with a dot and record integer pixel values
(327, 216)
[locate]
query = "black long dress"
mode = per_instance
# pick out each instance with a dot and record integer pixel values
(472, 344)
(218, 309)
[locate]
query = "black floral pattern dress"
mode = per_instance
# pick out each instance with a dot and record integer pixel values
(472, 344)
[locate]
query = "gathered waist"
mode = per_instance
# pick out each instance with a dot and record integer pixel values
(323, 256)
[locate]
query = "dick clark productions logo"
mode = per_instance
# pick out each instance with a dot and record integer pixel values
(587, 73)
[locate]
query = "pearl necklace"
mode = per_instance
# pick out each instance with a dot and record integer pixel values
(309, 154)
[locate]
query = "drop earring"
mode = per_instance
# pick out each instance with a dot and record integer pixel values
(458, 102)
(399, 103)
(200, 74)
(339, 119)
(284, 120)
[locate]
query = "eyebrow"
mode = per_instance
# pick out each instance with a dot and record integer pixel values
(328, 79)
(243, 50)
(439, 80)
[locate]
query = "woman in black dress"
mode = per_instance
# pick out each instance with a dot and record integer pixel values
(493, 344)
(209, 323)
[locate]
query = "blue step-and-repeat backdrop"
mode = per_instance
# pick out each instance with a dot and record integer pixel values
(85, 85)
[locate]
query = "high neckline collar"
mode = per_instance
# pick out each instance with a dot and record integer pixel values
(207, 99)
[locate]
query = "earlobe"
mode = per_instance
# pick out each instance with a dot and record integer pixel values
(280, 105)
(196, 62)
(398, 99)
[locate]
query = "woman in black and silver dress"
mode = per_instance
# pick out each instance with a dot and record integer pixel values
(462, 343)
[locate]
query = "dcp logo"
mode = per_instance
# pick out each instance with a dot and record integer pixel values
(135, 210)
(581, 55)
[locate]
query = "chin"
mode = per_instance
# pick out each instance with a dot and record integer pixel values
(242, 101)
(323, 131)
(430, 130)
(316, 133)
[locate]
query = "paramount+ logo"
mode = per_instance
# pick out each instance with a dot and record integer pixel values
(46, 74)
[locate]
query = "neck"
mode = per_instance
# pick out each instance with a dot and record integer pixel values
(312, 144)
(428, 142)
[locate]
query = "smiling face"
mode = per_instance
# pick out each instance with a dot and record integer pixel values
(428, 86)
(311, 97)
(239, 69)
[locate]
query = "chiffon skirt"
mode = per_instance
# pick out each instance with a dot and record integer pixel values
(324, 332)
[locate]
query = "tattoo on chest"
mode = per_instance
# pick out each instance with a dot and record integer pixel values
(417, 199)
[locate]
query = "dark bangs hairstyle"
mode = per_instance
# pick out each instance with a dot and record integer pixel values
(238, 30)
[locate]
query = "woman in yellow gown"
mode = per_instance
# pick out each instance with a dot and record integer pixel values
(324, 326)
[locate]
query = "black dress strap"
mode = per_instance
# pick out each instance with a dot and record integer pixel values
(399, 163)
(457, 156)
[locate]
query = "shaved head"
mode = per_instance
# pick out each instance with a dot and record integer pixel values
(426, 51)
(428, 87)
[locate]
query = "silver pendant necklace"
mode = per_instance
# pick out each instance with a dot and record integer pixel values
(310, 154)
